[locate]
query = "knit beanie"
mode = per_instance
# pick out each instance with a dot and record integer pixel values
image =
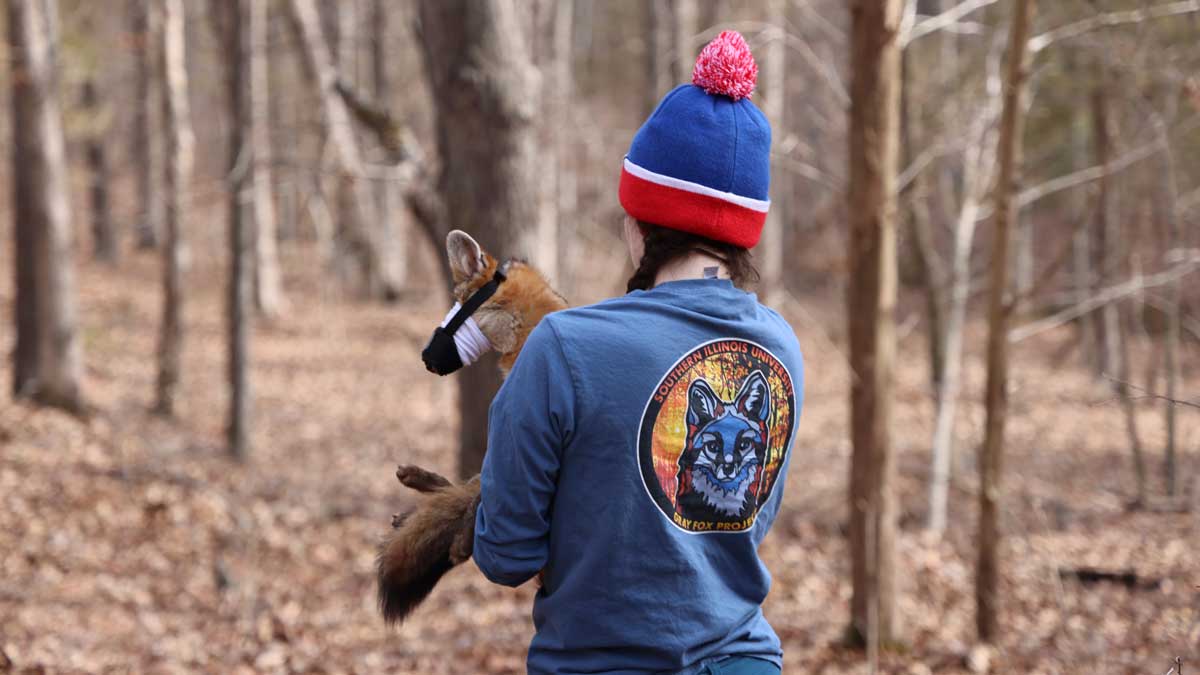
(701, 163)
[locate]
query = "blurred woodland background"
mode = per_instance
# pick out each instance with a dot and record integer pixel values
(227, 221)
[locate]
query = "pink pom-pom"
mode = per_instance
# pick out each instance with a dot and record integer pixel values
(726, 67)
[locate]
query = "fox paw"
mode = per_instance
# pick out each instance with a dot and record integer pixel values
(416, 478)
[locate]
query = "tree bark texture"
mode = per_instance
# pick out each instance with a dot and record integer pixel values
(874, 138)
(237, 30)
(1129, 410)
(47, 359)
(925, 251)
(775, 67)
(180, 142)
(268, 281)
(654, 23)
(354, 241)
(552, 58)
(670, 25)
(146, 26)
(1008, 153)
(106, 246)
(1099, 245)
(950, 111)
(483, 85)
(1174, 296)
(394, 219)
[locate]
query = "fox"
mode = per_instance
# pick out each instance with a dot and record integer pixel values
(721, 466)
(438, 534)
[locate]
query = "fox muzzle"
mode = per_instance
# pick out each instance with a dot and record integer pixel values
(458, 341)
(441, 354)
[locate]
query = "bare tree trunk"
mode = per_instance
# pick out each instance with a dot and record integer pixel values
(928, 259)
(773, 107)
(670, 25)
(1129, 410)
(951, 112)
(289, 179)
(977, 158)
(1009, 153)
(687, 14)
(871, 301)
(1098, 244)
(106, 246)
(1111, 339)
(354, 221)
(1081, 269)
(25, 282)
(393, 218)
(236, 27)
(483, 85)
(552, 58)
(562, 89)
(345, 151)
(1081, 283)
(1026, 257)
(146, 25)
(179, 152)
(47, 358)
(1175, 242)
(655, 22)
(951, 381)
(268, 283)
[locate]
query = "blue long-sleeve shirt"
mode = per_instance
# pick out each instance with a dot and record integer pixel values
(637, 455)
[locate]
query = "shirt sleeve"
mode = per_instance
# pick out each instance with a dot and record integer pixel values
(529, 423)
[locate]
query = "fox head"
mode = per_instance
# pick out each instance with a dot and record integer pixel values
(721, 465)
(519, 303)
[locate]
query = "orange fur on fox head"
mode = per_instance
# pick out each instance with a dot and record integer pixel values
(519, 303)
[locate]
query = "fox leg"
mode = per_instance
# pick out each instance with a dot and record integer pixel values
(421, 480)
(464, 540)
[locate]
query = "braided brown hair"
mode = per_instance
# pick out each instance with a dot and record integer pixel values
(664, 245)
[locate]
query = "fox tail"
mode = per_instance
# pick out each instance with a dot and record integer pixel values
(431, 540)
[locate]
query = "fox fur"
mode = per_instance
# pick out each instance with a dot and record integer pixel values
(439, 532)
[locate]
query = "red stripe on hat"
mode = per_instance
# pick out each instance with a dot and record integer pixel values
(677, 209)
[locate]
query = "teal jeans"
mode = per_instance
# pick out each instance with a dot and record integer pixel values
(741, 665)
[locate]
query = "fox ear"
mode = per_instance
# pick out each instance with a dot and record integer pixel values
(466, 256)
(754, 400)
(702, 403)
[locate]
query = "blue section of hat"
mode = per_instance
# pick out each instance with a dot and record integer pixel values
(707, 139)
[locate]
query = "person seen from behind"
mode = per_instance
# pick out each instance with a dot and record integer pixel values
(637, 451)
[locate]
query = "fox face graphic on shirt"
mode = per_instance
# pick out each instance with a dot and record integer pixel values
(714, 435)
(721, 467)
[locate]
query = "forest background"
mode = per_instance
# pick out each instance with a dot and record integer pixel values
(227, 221)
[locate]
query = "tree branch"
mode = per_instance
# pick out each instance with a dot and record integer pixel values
(942, 21)
(1110, 294)
(1083, 176)
(377, 119)
(1151, 395)
(1109, 19)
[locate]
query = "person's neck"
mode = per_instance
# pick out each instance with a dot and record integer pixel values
(695, 265)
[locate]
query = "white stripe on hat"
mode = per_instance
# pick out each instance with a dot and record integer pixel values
(696, 188)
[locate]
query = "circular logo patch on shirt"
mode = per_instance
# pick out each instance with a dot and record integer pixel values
(714, 435)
